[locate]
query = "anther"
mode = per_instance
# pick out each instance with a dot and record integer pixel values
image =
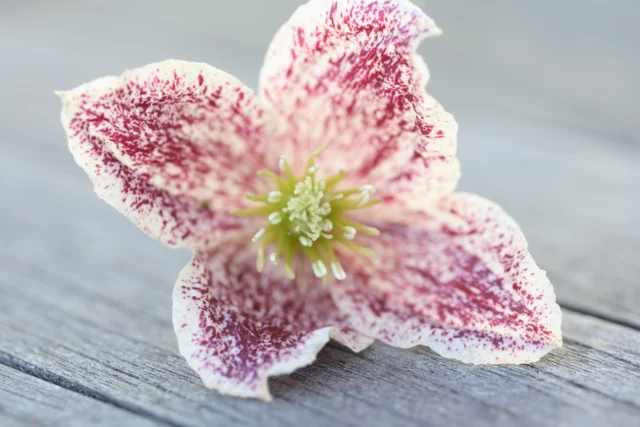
(319, 268)
(349, 232)
(258, 235)
(274, 258)
(364, 198)
(275, 218)
(326, 225)
(274, 197)
(305, 241)
(338, 271)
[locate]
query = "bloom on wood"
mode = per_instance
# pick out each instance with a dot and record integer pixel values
(321, 207)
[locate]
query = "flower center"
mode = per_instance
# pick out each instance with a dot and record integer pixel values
(306, 214)
(307, 210)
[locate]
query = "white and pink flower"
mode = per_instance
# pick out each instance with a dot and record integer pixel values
(350, 166)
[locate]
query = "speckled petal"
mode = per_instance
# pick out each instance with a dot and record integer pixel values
(173, 221)
(186, 128)
(345, 73)
(237, 327)
(463, 283)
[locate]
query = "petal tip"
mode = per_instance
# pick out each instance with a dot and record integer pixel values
(435, 31)
(212, 335)
(260, 393)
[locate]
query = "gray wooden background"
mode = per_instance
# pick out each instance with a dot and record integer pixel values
(548, 100)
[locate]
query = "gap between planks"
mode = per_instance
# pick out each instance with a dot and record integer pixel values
(27, 368)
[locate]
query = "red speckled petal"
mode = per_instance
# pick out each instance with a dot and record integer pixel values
(186, 128)
(174, 221)
(345, 73)
(464, 285)
(236, 327)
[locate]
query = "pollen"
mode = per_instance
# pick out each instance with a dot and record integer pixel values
(307, 215)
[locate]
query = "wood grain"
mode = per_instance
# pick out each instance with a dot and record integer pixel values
(547, 101)
(27, 401)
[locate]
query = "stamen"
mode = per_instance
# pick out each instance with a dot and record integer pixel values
(371, 231)
(348, 207)
(258, 235)
(275, 218)
(319, 268)
(363, 199)
(305, 241)
(268, 239)
(307, 214)
(274, 258)
(336, 267)
(368, 204)
(354, 247)
(274, 197)
(255, 197)
(260, 259)
(333, 180)
(288, 257)
(352, 191)
(315, 154)
(259, 211)
(331, 197)
(367, 189)
(349, 232)
(289, 271)
(338, 271)
(282, 184)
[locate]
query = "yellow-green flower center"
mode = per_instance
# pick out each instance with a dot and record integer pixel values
(306, 214)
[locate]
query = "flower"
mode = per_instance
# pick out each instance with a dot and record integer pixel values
(341, 173)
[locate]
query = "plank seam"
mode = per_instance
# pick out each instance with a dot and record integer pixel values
(589, 389)
(612, 355)
(600, 316)
(27, 368)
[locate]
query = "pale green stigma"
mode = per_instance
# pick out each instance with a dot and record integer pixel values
(307, 209)
(306, 214)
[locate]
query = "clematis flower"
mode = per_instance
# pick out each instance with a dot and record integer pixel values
(322, 207)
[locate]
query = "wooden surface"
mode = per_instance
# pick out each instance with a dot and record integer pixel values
(548, 101)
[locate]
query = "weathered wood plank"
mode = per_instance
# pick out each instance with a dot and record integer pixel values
(28, 401)
(549, 129)
(571, 64)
